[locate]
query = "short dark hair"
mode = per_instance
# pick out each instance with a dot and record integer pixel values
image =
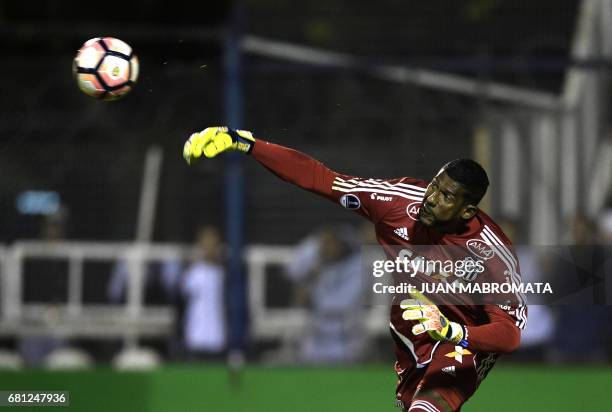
(471, 176)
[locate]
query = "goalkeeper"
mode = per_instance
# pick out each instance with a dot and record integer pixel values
(443, 352)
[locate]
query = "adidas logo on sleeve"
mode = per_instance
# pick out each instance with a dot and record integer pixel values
(402, 232)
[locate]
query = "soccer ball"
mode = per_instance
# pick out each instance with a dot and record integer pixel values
(105, 68)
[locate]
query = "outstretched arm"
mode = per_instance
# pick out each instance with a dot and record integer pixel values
(292, 166)
(288, 164)
(295, 167)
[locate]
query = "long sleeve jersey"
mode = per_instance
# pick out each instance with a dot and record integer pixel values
(392, 205)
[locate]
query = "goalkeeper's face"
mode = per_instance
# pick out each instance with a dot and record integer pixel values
(445, 202)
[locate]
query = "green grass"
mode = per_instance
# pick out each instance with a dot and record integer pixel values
(208, 388)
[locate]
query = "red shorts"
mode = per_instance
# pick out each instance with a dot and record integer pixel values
(452, 374)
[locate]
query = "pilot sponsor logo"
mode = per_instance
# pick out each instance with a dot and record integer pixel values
(376, 196)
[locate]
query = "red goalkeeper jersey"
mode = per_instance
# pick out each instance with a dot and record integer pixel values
(392, 206)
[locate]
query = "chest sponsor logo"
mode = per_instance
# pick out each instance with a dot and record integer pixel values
(376, 196)
(412, 210)
(350, 201)
(480, 249)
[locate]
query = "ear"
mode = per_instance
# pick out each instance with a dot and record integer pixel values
(469, 211)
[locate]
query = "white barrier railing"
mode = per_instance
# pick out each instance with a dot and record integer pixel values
(275, 322)
(133, 319)
(267, 322)
(73, 318)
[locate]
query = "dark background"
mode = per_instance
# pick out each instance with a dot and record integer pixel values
(52, 137)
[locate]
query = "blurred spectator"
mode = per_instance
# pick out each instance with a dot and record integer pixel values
(54, 225)
(161, 286)
(605, 227)
(605, 277)
(578, 276)
(539, 331)
(328, 268)
(160, 282)
(46, 283)
(202, 286)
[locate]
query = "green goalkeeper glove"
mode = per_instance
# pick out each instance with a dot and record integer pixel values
(432, 321)
(214, 140)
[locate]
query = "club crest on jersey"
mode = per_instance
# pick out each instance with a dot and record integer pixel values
(412, 210)
(480, 249)
(458, 353)
(350, 201)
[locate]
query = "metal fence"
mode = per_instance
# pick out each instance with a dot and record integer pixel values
(75, 317)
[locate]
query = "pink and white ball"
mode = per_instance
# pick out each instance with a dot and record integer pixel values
(105, 68)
